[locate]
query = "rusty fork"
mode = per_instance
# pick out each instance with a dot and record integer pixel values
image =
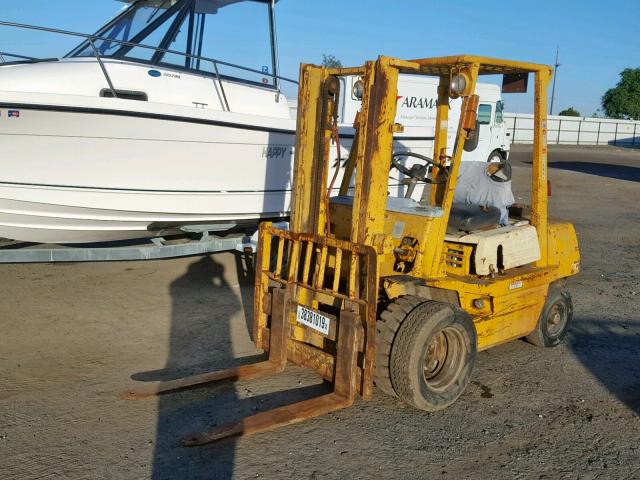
(345, 378)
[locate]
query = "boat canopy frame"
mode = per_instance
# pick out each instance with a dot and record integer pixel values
(91, 39)
(181, 9)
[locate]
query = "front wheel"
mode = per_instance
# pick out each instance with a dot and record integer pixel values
(554, 320)
(432, 353)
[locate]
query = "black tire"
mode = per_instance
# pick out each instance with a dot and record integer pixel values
(554, 320)
(431, 355)
(386, 329)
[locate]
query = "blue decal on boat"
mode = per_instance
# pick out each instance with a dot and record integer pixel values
(154, 73)
(13, 114)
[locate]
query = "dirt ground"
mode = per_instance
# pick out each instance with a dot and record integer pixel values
(73, 336)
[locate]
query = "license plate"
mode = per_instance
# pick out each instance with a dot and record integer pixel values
(313, 320)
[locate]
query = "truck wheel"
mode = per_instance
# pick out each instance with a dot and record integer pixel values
(495, 157)
(431, 355)
(554, 320)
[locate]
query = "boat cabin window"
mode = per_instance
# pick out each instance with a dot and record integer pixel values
(238, 33)
(129, 26)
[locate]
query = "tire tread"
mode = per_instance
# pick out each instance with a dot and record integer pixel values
(386, 328)
(537, 337)
(403, 346)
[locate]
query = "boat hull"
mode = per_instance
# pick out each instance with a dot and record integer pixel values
(65, 218)
(77, 176)
(89, 173)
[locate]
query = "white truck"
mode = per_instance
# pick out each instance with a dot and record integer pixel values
(417, 98)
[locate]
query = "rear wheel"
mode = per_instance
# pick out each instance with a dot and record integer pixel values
(431, 354)
(554, 320)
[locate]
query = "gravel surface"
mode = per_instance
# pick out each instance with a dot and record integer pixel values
(74, 336)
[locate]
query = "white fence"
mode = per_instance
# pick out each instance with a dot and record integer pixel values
(575, 130)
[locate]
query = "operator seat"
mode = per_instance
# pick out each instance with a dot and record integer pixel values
(463, 218)
(469, 218)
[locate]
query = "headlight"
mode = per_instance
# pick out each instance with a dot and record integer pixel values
(458, 84)
(358, 89)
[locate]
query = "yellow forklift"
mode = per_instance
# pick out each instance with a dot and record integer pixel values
(367, 289)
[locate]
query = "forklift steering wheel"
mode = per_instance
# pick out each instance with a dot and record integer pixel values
(419, 172)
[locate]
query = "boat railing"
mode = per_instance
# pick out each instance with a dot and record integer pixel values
(103, 65)
(4, 55)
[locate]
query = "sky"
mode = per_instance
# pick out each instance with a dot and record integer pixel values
(597, 39)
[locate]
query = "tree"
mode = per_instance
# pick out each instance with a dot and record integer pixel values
(570, 112)
(330, 61)
(623, 101)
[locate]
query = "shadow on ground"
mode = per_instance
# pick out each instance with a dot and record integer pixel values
(610, 351)
(619, 172)
(203, 304)
(629, 142)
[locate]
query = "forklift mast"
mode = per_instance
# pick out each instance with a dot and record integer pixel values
(369, 159)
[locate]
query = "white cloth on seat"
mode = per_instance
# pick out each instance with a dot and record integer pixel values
(475, 187)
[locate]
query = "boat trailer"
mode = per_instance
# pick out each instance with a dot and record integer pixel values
(156, 248)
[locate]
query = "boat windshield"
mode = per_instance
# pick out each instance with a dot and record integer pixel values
(239, 32)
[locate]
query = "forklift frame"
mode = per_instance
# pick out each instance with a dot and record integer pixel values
(337, 260)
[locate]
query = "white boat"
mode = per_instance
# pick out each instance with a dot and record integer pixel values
(139, 131)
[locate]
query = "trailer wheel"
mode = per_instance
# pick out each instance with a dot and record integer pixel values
(554, 320)
(431, 355)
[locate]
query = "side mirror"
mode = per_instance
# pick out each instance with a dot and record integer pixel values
(471, 143)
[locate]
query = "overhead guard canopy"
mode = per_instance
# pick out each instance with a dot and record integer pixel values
(488, 65)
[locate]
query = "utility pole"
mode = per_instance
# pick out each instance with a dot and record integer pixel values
(555, 76)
